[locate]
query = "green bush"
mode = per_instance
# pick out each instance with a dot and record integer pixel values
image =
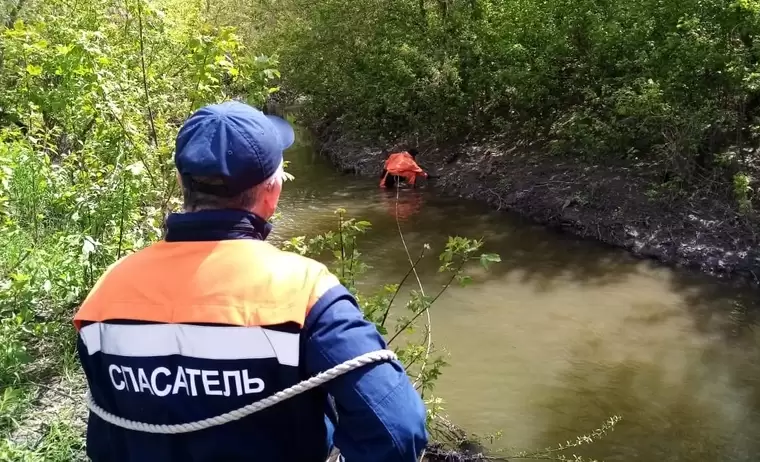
(674, 82)
(91, 97)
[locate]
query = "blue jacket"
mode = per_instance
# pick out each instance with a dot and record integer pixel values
(160, 343)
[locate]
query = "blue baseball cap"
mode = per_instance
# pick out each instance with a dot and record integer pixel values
(234, 142)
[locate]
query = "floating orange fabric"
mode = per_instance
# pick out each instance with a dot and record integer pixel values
(402, 164)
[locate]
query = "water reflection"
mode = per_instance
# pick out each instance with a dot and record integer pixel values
(403, 204)
(563, 333)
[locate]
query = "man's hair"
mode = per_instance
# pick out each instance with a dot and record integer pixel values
(196, 200)
(413, 152)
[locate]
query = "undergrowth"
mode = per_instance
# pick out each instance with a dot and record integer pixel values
(667, 86)
(91, 97)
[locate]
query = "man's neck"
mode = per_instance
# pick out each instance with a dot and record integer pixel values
(216, 225)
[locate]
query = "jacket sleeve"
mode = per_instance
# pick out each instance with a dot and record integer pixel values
(381, 417)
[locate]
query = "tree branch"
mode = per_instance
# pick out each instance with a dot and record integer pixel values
(428, 305)
(398, 289)
(145, 74)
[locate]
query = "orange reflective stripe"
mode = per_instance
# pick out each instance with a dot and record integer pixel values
(324, 282)
(237, 282)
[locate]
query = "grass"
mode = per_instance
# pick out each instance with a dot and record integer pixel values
(57, 441)
(42, 413)
(44, 422)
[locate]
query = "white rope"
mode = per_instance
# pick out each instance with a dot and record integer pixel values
(422, 291)
(297, 389)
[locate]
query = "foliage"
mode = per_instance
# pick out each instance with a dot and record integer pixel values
(673, 83)
(474, 446)
(742, 190)
(60, 442)
(91, 96)
(556, 453)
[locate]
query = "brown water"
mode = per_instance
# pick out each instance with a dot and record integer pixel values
(563, 333)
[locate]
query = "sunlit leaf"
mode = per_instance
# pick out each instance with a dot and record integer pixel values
(136, 169)
(487, 258)
(64, 49)
(33, 70)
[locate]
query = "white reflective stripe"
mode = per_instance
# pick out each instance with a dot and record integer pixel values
(282, 343)
(205, 342)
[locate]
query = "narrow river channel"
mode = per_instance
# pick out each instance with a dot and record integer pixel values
(563, 333)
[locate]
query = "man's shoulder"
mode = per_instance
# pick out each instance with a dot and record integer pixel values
(309, 273)
(266, 255)
(241, 254)
(292, 265)
(301, 261)
(247, 267)
(277, 267)
(282, 271)
(246, 251)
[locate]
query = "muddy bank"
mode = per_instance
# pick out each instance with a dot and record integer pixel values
(625, 206)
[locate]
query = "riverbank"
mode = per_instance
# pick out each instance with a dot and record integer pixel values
(624, 205)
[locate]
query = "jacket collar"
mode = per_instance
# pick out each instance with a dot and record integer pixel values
(215, 225)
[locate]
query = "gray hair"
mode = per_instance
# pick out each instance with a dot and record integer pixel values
(196, 200)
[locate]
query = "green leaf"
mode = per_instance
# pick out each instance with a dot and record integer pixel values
(33, 70)
(271, 73)
(20, 277)
(487, 258)
(64, 49)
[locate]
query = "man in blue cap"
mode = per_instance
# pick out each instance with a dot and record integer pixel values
(213, 318)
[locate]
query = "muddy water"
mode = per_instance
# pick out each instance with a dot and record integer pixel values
(563, 333)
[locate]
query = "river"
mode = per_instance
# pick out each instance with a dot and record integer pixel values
(563, 333)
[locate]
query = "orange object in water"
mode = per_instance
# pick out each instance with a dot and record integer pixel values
(402, 164)
(403, 206)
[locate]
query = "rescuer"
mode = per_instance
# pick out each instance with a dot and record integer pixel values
(401, 166)
(213, 318)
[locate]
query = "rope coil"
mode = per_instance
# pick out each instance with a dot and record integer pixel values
(245, 411)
